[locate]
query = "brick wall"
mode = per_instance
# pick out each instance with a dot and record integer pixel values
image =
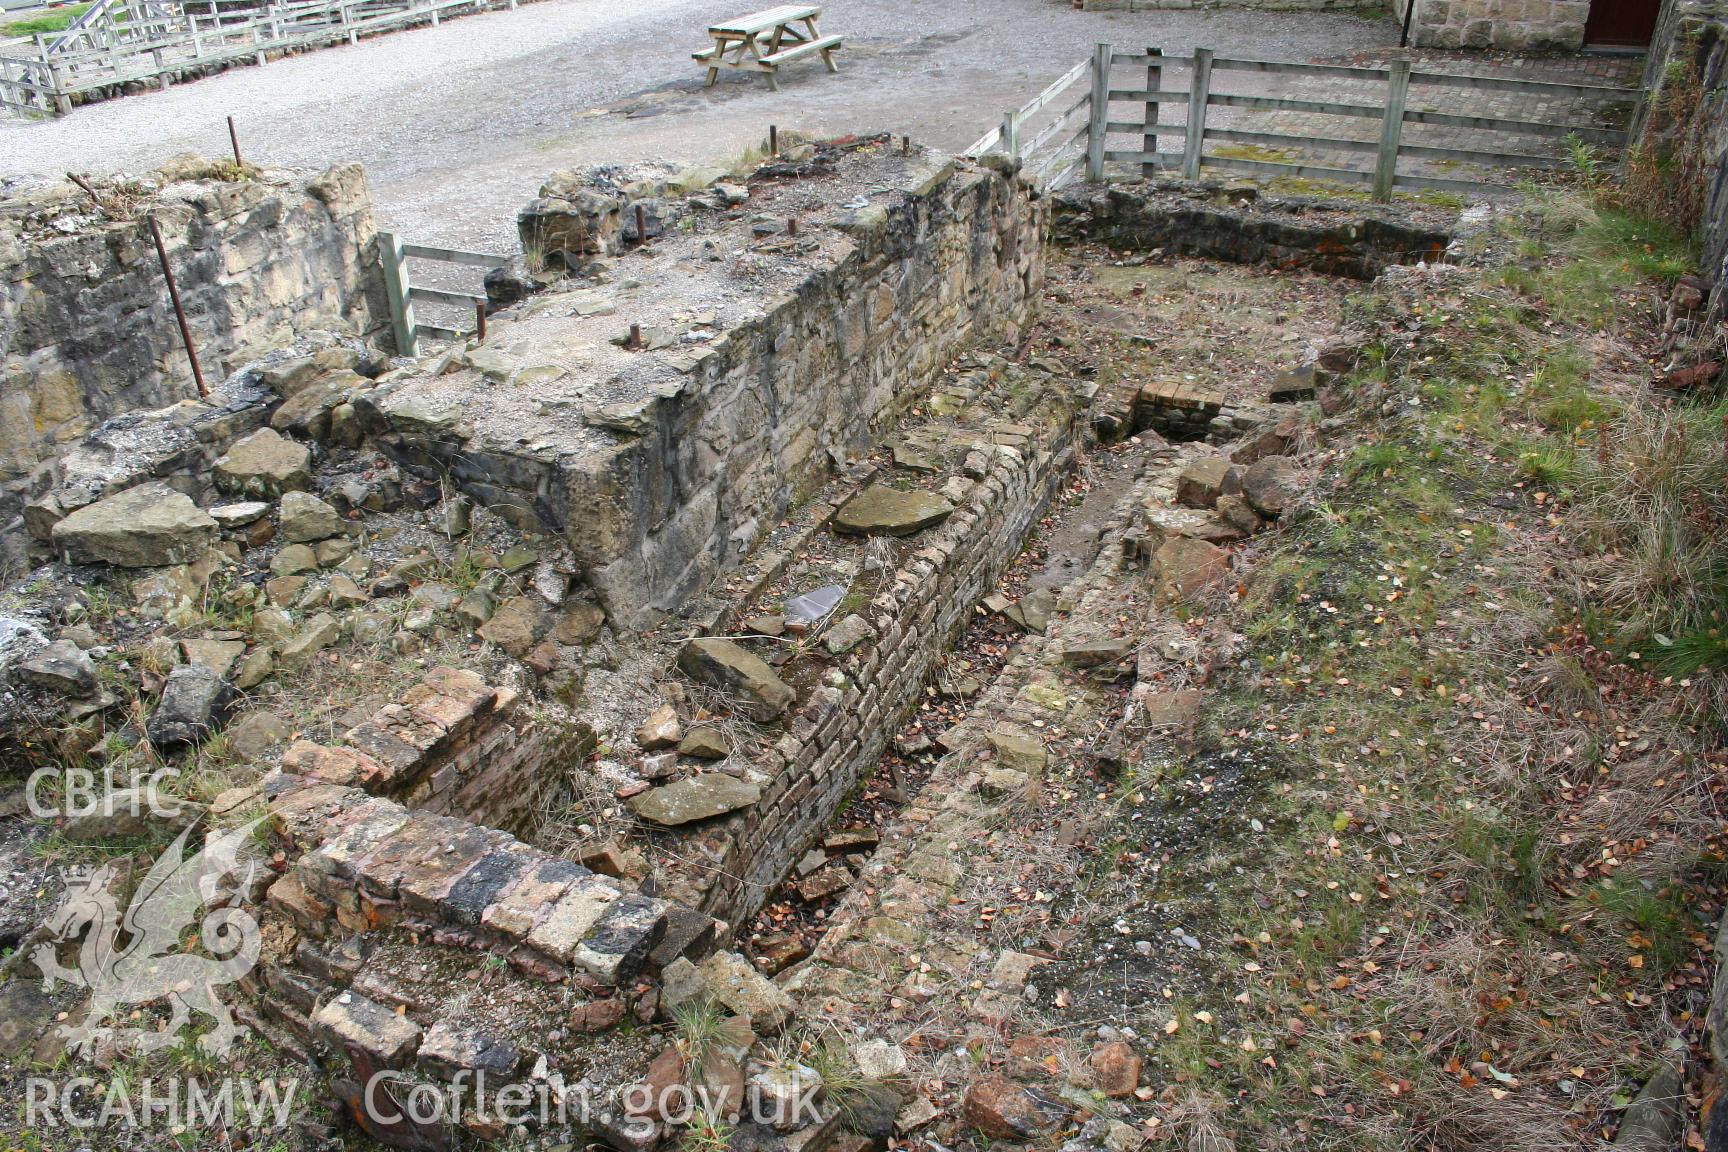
(837, 736)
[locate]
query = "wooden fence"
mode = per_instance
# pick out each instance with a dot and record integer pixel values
(403, 293)
(1047, 135)
(121, 42)
(1547, 118)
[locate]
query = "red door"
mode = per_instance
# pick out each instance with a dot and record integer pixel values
(1619, 23)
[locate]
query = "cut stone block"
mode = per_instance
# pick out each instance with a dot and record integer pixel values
(1203, 481)
(263, 466)
(450, 1048)
(619, 944)
(731, 980)
(517, 910)
(575, 914)
(353, 1022)
(149, 526)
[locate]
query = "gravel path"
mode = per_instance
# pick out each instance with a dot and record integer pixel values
(459, 124)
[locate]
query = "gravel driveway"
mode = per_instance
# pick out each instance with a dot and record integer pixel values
(458, 125)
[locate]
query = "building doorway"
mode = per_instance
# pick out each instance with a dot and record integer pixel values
(1621, 23)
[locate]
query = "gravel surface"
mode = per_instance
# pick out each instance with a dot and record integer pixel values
(458, 125)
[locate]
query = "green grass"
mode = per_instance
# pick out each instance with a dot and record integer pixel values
(1429, 900)
(55, 21)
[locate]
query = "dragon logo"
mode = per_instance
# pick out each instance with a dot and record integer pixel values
(139, 957)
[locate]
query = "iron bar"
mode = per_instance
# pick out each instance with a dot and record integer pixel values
(179, 310)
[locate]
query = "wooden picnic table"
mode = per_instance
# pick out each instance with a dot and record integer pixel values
(763, 41)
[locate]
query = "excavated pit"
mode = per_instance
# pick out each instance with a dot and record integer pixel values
(902, 609)
(565, 828)
(1150, 395)
(785, 805)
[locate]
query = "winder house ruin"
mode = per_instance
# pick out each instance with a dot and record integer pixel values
(805, 653)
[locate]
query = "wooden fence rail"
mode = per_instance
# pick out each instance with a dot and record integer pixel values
(1049, 151)
(403, 293)
(121, 42)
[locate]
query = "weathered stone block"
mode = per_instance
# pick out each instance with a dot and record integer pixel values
(363, 1026)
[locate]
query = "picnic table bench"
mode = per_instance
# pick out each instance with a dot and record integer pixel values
(763, 41)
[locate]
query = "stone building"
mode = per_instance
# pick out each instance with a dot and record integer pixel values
(1529, 24)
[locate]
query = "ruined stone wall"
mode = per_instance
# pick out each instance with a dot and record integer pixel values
(86, 328)
(1690, 47)
(957, 262)
(1358, 242)
(1510, 24)
(757, 422)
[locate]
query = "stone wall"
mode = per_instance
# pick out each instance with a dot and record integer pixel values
(86, 328)
(1691, 45)
(690, 475)
(1517, 25)
(1352, 241)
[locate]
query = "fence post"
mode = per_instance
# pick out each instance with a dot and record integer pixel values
(1391, 128)
(1011, 134)
(1199, 89)
(1149, 141)
(1099, 113)
(395, 263)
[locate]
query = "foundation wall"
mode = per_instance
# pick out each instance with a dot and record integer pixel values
(87, 331)
(1358, 243)
(761, 418)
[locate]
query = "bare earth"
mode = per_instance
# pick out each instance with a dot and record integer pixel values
(459, 125)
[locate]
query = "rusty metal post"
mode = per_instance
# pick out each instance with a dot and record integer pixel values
(905, 145)
(641, 225)
(179, 310)
(791, 225)
(480, 321)
(234, 139)
(635, 337)
(773, 140)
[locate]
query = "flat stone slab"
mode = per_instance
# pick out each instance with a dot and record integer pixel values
(740, 674)
(1093, 653)
(149, 526)
(699, 797)
(883, 511)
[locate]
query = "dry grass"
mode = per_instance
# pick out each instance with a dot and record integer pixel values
(1480, 902)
